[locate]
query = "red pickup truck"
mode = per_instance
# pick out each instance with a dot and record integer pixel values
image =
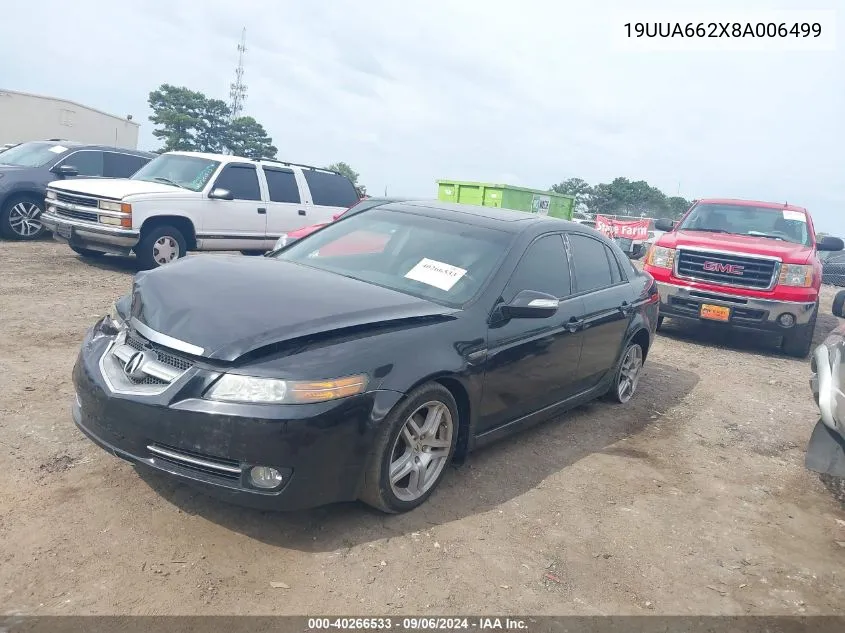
(745, 264)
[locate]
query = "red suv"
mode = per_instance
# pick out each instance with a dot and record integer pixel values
(745, 264)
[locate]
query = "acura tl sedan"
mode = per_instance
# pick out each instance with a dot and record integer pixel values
(328, 373)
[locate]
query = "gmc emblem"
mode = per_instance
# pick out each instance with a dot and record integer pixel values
(718, 267)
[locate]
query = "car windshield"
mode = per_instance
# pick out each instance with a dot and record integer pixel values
(440, 260)
(188, 172)
(738, 219)
(35, 154)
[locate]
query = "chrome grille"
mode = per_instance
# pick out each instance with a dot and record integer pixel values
(132, 364)
(76, 215)
(139, 343)
(727, 269)
(82, 201)
(222, 467)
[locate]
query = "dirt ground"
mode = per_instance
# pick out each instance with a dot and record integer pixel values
(692, 499)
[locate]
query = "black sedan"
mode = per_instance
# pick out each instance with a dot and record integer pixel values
(359, 361)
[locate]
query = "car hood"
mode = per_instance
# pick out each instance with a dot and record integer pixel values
(231, 306)
(743, 244)
(116, 188)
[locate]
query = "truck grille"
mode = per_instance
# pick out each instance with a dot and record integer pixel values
(727, 270)
(81, 201)
(76, 215)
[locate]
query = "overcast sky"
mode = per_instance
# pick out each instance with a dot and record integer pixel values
(523, 92)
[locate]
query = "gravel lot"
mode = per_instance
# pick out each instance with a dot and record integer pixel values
(693, 499)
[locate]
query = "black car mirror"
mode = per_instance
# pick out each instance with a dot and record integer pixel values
(829, 243)
(221, 194)
(839, 304)
(664, 224)
(65, 171)
(530, 304)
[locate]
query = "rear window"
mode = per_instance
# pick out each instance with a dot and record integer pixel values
(330, 190)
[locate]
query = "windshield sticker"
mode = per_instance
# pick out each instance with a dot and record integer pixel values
(794, 215)
(436, 274)
(58, 149)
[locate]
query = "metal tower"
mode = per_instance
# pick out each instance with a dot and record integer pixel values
(237, 90)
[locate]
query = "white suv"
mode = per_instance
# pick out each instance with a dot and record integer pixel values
(184, 201)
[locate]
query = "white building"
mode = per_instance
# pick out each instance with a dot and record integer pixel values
(28, 117)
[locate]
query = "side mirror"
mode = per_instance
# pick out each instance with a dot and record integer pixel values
(664, 224)
(829, 243)
(839, 304)
(530, 304)
(65, 171)
(221, 194)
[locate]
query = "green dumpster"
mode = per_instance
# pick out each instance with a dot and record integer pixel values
(506, 197)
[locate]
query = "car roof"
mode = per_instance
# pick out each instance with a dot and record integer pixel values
(78, 145)
(751, 203)
(506, 220)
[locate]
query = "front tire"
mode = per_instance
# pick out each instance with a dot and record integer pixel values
(627, 375)
(798, 344)
(412, 450)
(20, 218)
(160, 245)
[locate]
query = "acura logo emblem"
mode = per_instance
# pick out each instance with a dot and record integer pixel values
(133, 367)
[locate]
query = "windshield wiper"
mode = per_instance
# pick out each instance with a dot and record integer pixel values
(168, 181)
(708, 230)
(769, 235)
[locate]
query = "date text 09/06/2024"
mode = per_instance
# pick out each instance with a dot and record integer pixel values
(723, 29)
(418, 624)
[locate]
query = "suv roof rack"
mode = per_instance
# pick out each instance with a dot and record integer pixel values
(289, 164)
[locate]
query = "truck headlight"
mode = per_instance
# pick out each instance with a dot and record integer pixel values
(107, 205)
(252, 389)
(796, 275)
(51, 195)
(661, 257)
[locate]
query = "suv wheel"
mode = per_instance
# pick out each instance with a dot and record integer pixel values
(412, 450)
(798, 343)
(20, 218)
(160, 245)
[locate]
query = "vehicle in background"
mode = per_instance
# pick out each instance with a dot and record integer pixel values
(299, 380)
(826, 448)
(743, 264)
(361, 205)
(27, 168)
(833, 268)
(189, 201)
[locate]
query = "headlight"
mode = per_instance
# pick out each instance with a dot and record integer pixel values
(105, 205)
(237, 388)
(796, 275)
(50, 194)
(661, 257)
(282, 241)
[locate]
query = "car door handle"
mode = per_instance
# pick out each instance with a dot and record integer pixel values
(262, 210)
(302, 212)
(626, 308)
(573, 325)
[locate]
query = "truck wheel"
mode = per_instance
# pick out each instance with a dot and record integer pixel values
(87, 252)
(20, 218)
(160, 245)
(798, 343)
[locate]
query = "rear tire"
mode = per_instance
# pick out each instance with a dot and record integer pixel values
(627, 375)
(160, 245)
(416, 454)
(20, 218)
(798, 344)
(87, 252)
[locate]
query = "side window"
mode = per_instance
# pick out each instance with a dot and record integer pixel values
(87, 162)
(589, 260)
(282, 185)
(615, 271)
(122, 165)
(241, 181)
(331, 190)
(543, 268)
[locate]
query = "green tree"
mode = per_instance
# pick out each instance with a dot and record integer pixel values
(346, 170)
(676, 206)
(247, 137)
(212, 126)
(576, 187)
(177, 111)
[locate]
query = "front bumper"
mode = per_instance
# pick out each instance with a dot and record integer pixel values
(752, 313)
(321, 449)
(98, 237)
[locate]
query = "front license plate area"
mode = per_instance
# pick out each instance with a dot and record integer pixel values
(714, 313)
(63, 231)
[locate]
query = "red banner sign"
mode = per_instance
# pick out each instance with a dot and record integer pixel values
(630, 229)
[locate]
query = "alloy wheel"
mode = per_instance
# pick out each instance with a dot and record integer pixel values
(165, 250)
(421, 451)
(23, 218)
(629, 373)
